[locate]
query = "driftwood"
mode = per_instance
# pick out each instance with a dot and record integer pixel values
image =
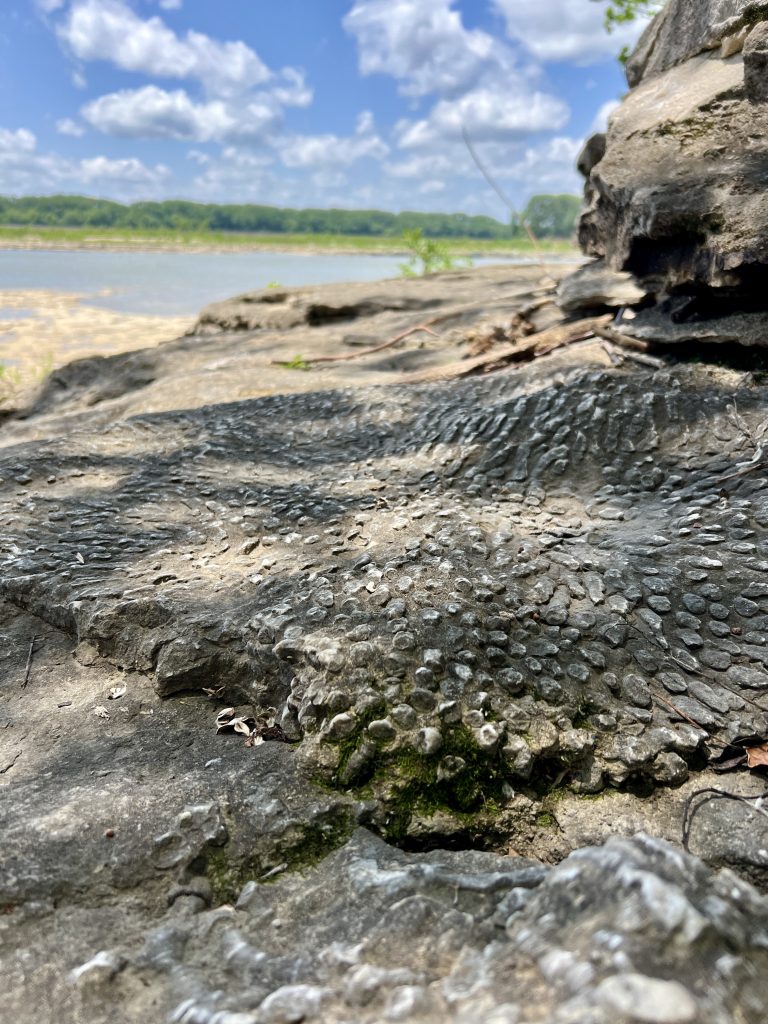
(522, 350)
(426, 326)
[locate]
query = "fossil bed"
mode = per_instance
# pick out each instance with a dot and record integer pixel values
(503, 625)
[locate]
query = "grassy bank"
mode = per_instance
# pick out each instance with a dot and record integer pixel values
(204, 241)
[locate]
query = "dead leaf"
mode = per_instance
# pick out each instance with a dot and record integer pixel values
(224, 718)
(757, 757)
(116, 692)
(243, 725)
(80, 558)
(216, 694)
(101, 712)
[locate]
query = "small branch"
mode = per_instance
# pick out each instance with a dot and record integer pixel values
(348, 357)
(29, 662)
(690, 811)
(530, 347)
(625, 341)
(688, 719)
(624, 353)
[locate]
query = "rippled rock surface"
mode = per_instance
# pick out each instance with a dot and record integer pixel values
(483, 624)
(446, 592)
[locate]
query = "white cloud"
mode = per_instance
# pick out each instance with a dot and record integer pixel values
(15, 143)
(170, 5)
(488, 114)
(110, 30)
(333, 151)
(130, 170)
(154, 113)
(422, 43)
(477, 81)
(66, 126)
(24, 169)
(291, 89)
(547, 167)
(565, 30)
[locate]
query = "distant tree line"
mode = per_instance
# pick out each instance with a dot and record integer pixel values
(547, 216)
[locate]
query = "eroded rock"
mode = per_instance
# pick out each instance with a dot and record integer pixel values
(678, 198)
(631, 931)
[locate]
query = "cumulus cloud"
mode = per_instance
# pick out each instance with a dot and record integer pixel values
(600, 123)
(476, 80)
(66, 126)
(110, 30)
(488, 115)
(422, 43)
(322, 152)
(565, 30)
(154, 113)
(24, 169)
(129, 170)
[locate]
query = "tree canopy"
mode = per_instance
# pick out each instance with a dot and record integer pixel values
(548, 212)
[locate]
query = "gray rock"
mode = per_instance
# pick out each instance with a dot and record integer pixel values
(677, 200)
(596, 286)
(634, 930)
(756, 64)
(686, 29)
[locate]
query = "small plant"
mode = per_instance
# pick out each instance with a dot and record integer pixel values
(428, 255)
(297, 363)
(10, 379)
(274, 284)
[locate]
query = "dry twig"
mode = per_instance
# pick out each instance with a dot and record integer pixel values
(523, 349)
(29, 662)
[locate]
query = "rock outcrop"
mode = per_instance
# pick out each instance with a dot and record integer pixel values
(463, 629)
(678, 198)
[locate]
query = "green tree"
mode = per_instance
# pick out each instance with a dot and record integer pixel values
(621, 11)
(551, 216)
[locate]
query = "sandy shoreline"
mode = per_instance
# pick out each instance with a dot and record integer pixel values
(37, 244)
(41, 330)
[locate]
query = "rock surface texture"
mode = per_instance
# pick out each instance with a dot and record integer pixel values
(679, 197)
(480, 624)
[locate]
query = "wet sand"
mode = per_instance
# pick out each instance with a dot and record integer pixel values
(41, 330)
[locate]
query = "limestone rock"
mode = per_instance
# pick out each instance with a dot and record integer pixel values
(630, 931)
(756, 64)
(678, 199)
(596, 286)
(685, 29)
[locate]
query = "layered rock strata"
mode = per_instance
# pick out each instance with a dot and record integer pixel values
(678, 197)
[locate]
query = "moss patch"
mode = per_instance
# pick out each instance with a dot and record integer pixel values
(229, 867)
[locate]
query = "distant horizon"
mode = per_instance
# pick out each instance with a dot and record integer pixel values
(345, 104)
(272, 206)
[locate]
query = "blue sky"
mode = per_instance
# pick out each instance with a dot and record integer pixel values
(353, 103)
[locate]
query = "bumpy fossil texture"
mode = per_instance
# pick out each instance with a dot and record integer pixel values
(633, 931)
(450, 593)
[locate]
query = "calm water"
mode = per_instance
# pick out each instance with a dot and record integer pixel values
(177, 284)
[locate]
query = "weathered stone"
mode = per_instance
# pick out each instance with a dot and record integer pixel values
(542, 665)
(686, 29)
(596, 286)
(677, 200)
(756, 64)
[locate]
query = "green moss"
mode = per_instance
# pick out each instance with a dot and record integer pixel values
(412, 787)
(229, 868)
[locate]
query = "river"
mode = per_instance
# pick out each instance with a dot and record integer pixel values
(180, 284)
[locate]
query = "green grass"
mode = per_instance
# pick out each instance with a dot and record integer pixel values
(105, 238)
